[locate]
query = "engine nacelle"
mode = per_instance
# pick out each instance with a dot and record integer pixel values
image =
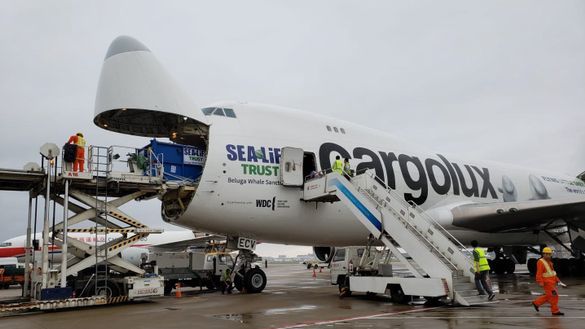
(324, 254)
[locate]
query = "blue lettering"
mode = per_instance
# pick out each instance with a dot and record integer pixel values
(276, 155)
(231, 150)
(264, 154)
(252, 154)
(241, 153)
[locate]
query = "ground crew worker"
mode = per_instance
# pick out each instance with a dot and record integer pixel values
(346, 168)
(482, 270)
(547, 278)
(337, 165)
(79, 162)
(226, 282)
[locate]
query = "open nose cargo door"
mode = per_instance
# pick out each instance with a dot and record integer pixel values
(136, 96)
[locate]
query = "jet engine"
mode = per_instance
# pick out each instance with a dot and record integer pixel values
(324, 254)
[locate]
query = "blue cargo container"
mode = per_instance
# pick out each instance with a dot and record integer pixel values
(180, 161)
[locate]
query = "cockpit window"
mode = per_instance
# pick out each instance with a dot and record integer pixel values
(5, 244)
(223, 112)
(208, 110)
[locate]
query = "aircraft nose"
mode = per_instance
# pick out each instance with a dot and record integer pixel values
(124, 44)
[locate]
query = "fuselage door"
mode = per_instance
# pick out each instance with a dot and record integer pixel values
(291, 166)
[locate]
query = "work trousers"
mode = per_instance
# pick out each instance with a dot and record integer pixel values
(483, 283)
(551, 295)
(226, 286)
(79, 159)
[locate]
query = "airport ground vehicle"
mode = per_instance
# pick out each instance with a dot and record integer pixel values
(11, 272)
(369, 270)
(191, 268)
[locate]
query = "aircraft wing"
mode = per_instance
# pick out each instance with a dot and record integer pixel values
(200, 241)
(518, 216)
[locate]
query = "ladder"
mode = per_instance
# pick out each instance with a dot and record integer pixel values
(100, 166)
(434, 252)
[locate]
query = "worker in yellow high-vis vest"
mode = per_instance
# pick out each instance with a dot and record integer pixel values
(482, 271)
(337, 165)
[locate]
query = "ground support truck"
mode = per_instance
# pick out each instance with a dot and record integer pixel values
(369, 270)
(195, 268)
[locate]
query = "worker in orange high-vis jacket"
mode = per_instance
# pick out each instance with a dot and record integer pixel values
(79, 162)
(547, 278)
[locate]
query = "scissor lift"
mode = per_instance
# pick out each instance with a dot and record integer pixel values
(94, 196)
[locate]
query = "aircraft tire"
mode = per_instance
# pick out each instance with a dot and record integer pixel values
(499, 266)
(255, 280)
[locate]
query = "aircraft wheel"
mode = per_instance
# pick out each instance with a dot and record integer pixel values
(255, 280)
(499, 266)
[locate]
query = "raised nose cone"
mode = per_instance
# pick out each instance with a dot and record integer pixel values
(137, 96)
(124, 44)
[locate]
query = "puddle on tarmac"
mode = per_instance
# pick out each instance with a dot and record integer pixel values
(285, 310)
(242, 318)
(246, 317)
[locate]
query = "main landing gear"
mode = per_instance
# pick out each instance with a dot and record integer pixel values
(502, 263)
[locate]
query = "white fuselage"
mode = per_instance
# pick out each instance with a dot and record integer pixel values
(240, 193)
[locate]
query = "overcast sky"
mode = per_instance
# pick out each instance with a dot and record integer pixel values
(497, 80)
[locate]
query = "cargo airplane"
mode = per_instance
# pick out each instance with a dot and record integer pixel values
(240, 192)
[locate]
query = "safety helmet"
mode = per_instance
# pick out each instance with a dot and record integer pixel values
(547, 250)
(80, 134)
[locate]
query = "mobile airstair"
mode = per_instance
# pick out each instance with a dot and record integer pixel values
(435, 255)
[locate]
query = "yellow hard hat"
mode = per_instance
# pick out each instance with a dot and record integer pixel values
(547, 250)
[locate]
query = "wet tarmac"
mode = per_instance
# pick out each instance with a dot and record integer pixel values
(293, 299)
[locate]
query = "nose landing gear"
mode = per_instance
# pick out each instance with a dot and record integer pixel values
(248, 278)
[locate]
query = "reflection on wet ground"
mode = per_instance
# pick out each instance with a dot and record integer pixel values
(293, 299)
